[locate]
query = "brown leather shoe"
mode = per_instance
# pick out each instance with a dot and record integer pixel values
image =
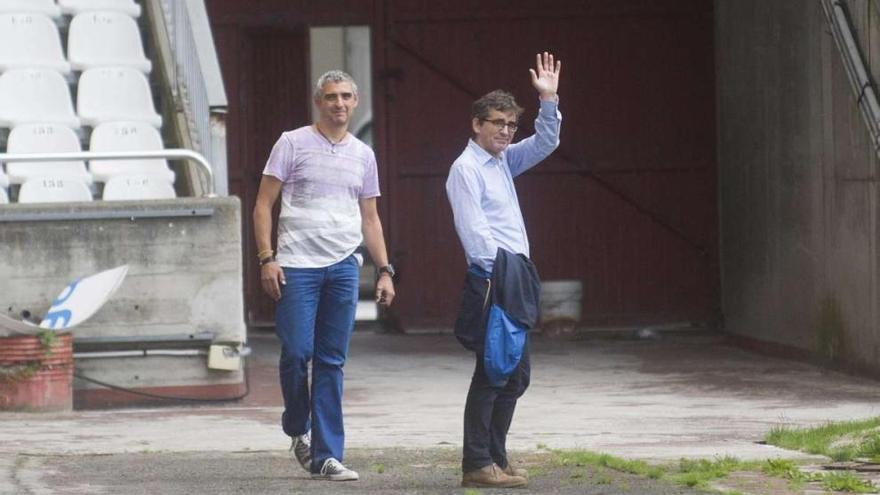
(491, 476)
(512, 471)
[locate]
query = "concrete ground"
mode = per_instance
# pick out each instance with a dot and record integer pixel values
(660, 400)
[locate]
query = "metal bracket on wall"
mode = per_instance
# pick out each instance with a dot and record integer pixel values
(105, 214)
(864, 88)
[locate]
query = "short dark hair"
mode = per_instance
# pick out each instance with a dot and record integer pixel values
(495, 100)
(334, 76)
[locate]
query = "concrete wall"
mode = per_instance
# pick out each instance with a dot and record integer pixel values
(185, 276)
(797, 182)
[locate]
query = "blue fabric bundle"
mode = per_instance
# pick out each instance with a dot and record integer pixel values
(516, 292)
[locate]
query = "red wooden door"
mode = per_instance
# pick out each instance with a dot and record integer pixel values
(266, 74)
(626, 205)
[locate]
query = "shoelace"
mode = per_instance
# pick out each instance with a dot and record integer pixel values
(332, 465)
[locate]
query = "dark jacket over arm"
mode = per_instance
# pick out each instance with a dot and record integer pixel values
(497, 310)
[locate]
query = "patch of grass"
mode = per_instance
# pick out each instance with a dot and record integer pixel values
(689, 472)
(603, 480)
(379, 468)
(47, 338)
(870, 447)
(821, 439)
(471, 491)
(19, 372)
(789, 470)
(783, 468)
(698, 473)
(587, 458)
(692, 480)
(846, 482)
(843, 481)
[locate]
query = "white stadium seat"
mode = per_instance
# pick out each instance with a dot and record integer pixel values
(131, 187)
(4, 180)
(4, 198)
(30, 40)
(127, 136)
(46, 7)
(105, 39)
(35, 96)
(53, 190)
(44, 138)
(109, 94)
(74, 7)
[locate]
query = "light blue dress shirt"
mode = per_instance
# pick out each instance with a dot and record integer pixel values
(483, 198)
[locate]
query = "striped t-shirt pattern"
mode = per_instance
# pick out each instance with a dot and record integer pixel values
(320, 220)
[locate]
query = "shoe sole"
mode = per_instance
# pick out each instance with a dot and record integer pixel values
(338, 477)
(475, 484)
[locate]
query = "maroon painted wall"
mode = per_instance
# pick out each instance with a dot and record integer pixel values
(628, 202)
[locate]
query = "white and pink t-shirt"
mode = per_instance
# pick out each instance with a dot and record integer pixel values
(320, 221)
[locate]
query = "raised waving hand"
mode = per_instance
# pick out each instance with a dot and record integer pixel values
(545, 75)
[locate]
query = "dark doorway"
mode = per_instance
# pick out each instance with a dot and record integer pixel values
(266, 73)
(627, 204)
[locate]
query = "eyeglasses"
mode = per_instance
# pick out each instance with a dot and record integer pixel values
(501, 124)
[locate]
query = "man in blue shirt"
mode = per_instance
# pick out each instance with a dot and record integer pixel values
(488, 217)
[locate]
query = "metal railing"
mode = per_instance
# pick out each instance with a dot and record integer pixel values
(198, 84)
(169, 154)
(860, 79)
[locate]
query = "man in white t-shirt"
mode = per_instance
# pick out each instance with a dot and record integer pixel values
(328, 184)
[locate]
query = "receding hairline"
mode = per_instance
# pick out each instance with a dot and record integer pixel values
(333, 76)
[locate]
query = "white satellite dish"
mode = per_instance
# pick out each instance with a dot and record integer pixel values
(77, 302)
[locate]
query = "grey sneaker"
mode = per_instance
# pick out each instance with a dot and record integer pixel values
(301, 451)
(333, 470)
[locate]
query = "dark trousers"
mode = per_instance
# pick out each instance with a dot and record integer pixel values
(488, 413)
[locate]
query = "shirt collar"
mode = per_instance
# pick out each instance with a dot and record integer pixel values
(483, 156)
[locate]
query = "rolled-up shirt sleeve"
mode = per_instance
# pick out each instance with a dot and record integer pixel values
(529, 152)
(464, 191)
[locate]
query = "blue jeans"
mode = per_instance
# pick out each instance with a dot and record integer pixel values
(314, 319)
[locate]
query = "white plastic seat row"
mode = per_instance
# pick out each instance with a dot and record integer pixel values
(45, 7)
(54, 190)
(128, 136)
(33, 96)
(95, 39)
(115, 94)
(44, 138)
(30, 40)
(137, 187)
(67, 190)
(72, 7)
(105, 39)
(103, 95)
(107, 137)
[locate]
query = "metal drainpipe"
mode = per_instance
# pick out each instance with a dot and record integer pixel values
(860, 79)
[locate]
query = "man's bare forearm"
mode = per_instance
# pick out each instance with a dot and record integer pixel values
(263, 228)
(374, 240)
